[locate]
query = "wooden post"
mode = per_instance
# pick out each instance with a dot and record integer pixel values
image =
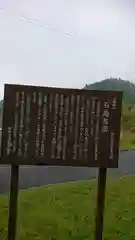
(100, 203)
(12, 219)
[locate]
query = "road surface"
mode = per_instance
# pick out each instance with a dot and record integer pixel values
(37, 176)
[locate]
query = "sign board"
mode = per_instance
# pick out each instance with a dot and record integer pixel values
(55, 126)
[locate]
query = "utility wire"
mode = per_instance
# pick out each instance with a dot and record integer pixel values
(35, 22)
(50, 27)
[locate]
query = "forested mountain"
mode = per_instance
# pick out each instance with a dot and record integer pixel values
(127, 87)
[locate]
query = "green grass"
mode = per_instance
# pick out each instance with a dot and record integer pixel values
(128, 140)
(67, 211)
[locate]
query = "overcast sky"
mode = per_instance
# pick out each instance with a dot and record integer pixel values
(40, 51)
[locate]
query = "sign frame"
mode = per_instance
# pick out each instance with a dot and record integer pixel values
(102, 158)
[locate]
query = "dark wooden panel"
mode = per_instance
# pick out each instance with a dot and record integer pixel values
(54, 126)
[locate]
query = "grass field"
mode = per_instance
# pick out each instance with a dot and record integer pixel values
(66, 211)
(128, 140)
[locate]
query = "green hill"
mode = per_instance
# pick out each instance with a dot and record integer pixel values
(127, 87)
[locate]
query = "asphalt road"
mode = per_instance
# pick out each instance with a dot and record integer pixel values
(37, 176)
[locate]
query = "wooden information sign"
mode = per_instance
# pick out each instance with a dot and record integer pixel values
(60, 127)
(63, 127)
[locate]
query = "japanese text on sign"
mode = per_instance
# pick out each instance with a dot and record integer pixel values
(60, 126)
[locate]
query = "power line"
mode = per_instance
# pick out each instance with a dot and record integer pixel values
(46, 25)
(50, 27)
